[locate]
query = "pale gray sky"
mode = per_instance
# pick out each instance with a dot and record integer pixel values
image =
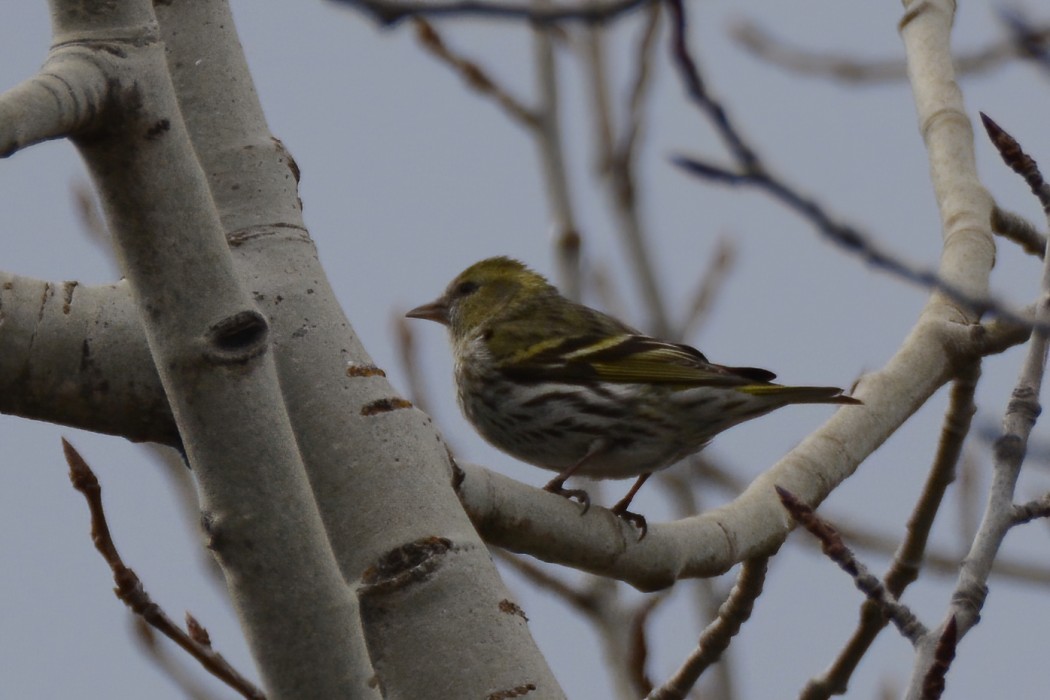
(399, 160)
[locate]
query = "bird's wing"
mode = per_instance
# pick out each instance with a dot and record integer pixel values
(627, 358)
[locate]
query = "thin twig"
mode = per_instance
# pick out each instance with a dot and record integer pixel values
(89, 215)
(582, 599)
(390, 12)
(697, 91)
(852, 240)
(1018, 161)
(714, 278)
(945, 561)
(904, 569)
(832, 545)
(682, 490)
(621, 629)
(938, 561)
(716, 637)
(971, 589)
(473, 74)
(943, 655)
(1038, 451)
(762, 44)
(639, 87)
(968, 498)
(1016, 228)
(130, 590)
(638, 652)
(548, 135)
(172, 667)
(410, 363)
(957, 419)
(1030, 41)
(598, 82)
(173, 465)
(618, 169)
(1027, 512)
(750, 171)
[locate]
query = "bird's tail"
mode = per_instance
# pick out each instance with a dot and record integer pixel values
(800, 394)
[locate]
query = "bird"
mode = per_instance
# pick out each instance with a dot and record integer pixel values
(568, 388)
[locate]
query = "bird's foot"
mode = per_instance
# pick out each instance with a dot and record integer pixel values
(636, 519)
(557, 486)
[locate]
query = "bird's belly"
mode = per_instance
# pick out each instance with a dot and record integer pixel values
(554, 426)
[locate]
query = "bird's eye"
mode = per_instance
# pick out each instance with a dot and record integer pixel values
(465, 288)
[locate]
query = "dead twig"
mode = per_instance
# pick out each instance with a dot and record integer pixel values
(390, 12)
(131, 591)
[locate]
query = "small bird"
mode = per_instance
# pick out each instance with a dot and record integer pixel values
(565, 387)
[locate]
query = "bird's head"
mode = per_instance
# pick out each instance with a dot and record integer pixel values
(485, 291)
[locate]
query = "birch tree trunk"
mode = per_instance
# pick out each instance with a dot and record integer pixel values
(326, 498)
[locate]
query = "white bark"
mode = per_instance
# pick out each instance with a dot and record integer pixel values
(311, 478)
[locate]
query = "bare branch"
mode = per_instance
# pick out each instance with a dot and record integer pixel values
(639, 645)
(130, 590)
(618, 168)
(473, 74)
(408, 355)
(945, 561)
(750, 171)
(390, 12)
(593, 57)
(1026, 512)
(909, 556)
(716, 637)
(719, 266)
(697, 91)
(180, 479)
(1018, 161)
(847, 69)
(832, 545)
(682, 490)
(548, 135)
(1031, 41)
(956, 426)
(943, 655)
(1016, 228)
(90, 217)
(166, 661)
(968, 498)
(640, 86)
(581, 599)
(852, 239)
(971, 588)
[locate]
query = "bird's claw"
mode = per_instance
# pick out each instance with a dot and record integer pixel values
(636, 519)
(579, 494)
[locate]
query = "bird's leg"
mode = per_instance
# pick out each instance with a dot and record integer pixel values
(557, 484)
(636, 519)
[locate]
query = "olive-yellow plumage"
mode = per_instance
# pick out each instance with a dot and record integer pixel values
(568, 388)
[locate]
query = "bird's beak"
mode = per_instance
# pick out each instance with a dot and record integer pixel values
(434, 311)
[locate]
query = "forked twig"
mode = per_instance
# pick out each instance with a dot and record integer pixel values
(911, 553)
(1000, 514)
(749, 170)
(832, 545)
